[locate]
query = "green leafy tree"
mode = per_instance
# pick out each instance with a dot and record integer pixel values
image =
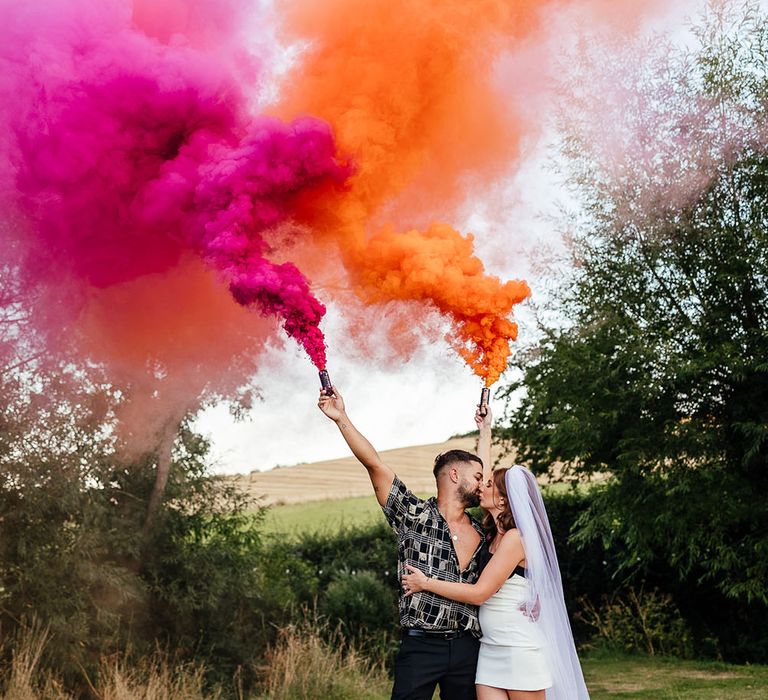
(655, 370)
(75, 554)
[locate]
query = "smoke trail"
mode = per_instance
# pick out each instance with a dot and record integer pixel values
(438, 265)
(149, 196)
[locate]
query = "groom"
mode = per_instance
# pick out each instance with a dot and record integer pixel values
(440, 637)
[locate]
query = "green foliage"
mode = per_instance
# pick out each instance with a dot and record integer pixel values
(349, 576)
(372, 548)
(72, 552)
(63, 547)
(659, 377)
(637, 621)
(363, 604)
(202, 567)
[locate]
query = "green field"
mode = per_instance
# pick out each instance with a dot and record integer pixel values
(620, 677)
(321, 516)
(330, 516)
(612, 677)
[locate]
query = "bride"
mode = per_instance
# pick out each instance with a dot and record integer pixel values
(527, 650)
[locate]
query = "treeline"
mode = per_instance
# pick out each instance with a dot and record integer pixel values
(651, 363)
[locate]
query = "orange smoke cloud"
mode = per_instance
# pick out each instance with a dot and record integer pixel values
(438, 265)
(408, 89)
(412, 92)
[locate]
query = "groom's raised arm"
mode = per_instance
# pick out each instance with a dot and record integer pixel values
(380, 474)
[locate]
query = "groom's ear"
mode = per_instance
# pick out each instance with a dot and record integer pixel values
(454, 474)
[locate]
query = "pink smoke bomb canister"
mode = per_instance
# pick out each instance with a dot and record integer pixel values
(325, 383)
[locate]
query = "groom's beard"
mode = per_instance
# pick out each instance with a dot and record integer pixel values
(469, 499)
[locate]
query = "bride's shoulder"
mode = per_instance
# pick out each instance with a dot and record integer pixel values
(511, 537)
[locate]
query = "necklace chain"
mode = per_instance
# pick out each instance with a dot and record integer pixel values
(454, 536)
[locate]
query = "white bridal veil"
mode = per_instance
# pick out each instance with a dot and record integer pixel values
(546, 586)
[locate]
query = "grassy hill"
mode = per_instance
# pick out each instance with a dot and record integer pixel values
(344, 478)
(321, 516)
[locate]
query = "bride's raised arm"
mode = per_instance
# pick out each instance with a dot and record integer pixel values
(484, 421)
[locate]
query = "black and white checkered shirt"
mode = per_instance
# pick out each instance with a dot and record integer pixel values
(424, 541)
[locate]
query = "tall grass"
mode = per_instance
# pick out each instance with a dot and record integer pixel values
(155, 679)
(23, 680)
(305, 665)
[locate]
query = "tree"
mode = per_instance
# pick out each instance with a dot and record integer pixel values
(660, 375)
(75, 552)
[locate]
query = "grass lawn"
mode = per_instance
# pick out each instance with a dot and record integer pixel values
(620, 677)
(652, 678)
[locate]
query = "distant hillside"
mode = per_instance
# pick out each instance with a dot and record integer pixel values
(345, 478)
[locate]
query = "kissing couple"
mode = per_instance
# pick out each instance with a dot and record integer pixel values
(481, 605)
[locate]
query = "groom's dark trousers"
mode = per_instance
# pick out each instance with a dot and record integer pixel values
(429, 659)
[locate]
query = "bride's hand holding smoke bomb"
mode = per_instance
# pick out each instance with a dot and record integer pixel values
(483, 416)
(485, 397)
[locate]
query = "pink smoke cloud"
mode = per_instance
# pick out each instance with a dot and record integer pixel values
(127, 153)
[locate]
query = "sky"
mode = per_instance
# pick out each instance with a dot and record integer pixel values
(433, 394)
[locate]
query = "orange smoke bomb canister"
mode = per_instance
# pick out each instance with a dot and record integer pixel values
(485, 397)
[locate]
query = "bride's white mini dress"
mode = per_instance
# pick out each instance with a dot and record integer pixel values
(513, 653)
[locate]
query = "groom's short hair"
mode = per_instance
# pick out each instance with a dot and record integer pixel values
(446, 458)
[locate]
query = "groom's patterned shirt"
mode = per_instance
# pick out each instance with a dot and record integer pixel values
(424, 541)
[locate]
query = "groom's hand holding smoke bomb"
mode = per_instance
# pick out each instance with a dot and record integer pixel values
(331, 403)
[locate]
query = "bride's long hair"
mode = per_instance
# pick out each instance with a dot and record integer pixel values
(504, 521)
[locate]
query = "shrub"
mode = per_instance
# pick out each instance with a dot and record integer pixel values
(370, 548)
(364, 607)
(209, 597)
(349, 576)
(636, 621)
